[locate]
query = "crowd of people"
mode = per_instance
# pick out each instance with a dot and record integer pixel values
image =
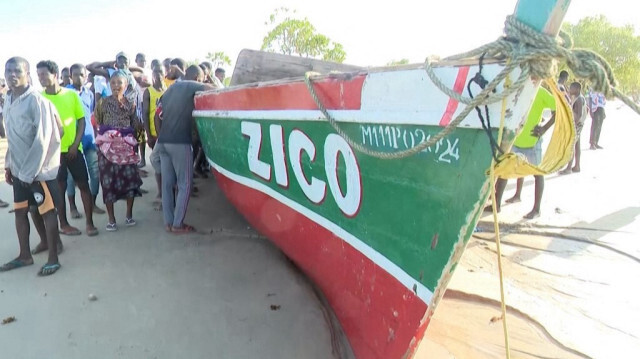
(88, 129)
(529, 142)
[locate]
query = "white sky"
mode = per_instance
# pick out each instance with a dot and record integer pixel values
(373, 33)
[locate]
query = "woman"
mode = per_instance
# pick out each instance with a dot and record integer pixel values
(117, 123)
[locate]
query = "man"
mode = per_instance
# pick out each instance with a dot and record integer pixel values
(32, 162)
(72, 160)
(82, 88)
(177, 70)
(579, 109)
(149, 106)
(219, 76)
(597, 101)
(174, 146)
(66, 77)
(3, 89)
(529, 144)
(167, 69)
(562, 80)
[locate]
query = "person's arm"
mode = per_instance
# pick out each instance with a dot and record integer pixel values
(133, 119)
(98, 114)
(100, 68)
(146, 100)
(80, 126)
(157, 118)
(539, 131)
(8, 177)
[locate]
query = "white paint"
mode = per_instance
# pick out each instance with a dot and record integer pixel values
(277, 147)
(376, 257)
(349, 203)
(315, 189)
(254, 132)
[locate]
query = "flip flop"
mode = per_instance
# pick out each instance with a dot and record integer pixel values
(75, 232)
(39, 249)
(3, 204)
(48, 269)
(14, 264)
(183, 230)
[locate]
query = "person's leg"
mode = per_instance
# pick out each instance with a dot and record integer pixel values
(600, 114)
(71, 195)
(143, 154)
(576, 168)
(78, 169)
(182, 155)
(65, 227)
(516, 196)
(23, 230)
(501, 184)
(154, 158)
(168, 182)
(38, 222)
(91, 157)
(47, 209)
(539, 189)
(129, 220)
(592, 143)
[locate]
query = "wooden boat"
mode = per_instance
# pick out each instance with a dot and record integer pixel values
(380, 238)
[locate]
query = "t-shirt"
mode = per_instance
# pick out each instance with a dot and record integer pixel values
(69, 106)
(580, 110)
(544, 99)
(87, 99)
(154, 97)
(33, 137)
(177, 108)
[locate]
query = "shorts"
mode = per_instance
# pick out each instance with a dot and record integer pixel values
(77, 167)
(532, 154)
(44, 195)
(155, 161)
(579, 127)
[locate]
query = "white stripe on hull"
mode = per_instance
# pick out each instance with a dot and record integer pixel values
(376, 257)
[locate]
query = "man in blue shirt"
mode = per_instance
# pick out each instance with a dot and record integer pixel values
(79, 84)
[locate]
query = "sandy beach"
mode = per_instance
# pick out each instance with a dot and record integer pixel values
(227, 292)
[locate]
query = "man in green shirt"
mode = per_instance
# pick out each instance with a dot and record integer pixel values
(69, 107)
(529, 144)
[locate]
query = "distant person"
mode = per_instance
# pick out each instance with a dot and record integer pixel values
(154, 63)
(177, 69)
(579, 109)
(529, 144)
(597, 101)
(149, 106)
(3, 92)
(562, 81)
(32, 163)
(80, 85)
(72, 160)
(65, 74)
(220, 75)
(175, 139)
(141, 62)
(117, 123)
(167, 70)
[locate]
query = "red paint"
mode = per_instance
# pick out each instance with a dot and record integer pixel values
(458, 87)
(334, 93)
(362, 294)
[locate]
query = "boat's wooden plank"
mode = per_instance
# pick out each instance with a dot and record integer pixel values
(543, 15)
(259, 66)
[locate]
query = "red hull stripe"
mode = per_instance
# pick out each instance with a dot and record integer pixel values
(335, 94)
(379, 315)
(458, 87)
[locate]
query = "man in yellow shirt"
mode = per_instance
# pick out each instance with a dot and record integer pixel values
(72, 160)
(150, 101)
(529, 144)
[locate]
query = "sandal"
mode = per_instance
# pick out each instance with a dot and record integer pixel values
(112, 227)
(183, 230)
(130, 222)
(14, 264)
(48, 269)
(3, 204)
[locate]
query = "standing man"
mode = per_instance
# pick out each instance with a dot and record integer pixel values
(597, 101)
(72, 160)
(32, 163)
(150, 102)
(174, 146)
(219, 76)
(141, 62)
(66, 77)
(579, 109)
(83, 89)
(529, 144)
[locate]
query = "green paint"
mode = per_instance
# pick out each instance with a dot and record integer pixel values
(404, 202)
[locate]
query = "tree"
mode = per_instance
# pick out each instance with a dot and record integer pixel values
(295, 36)
(398, 62)
(218, 59)
(617, 44)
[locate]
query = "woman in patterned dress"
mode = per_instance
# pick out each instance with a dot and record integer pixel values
(119, 179)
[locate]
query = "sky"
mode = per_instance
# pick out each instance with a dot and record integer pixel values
(373, 33)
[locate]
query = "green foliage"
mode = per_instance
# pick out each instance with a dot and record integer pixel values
(617, 44)
(294, 36)
(398, 62)
(218, 59)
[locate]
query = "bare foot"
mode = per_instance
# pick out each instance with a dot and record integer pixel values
(575, 169)
(513, 200)
(70, 230)
(98, 210)
(489, 208)
(533, 214)
(92, 230)
(75, 214)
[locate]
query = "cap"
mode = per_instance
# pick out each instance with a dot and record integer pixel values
(122, 54)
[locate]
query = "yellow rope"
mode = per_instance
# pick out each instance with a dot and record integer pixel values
(496, 228)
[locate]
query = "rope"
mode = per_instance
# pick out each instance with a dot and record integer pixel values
(536, 55)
